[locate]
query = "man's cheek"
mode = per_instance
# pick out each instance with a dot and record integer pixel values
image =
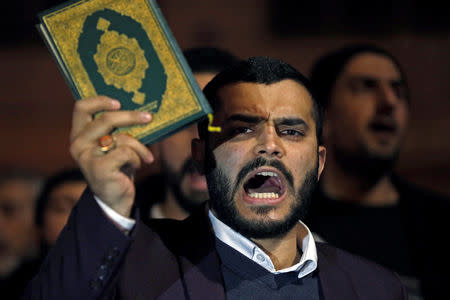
(228, 159)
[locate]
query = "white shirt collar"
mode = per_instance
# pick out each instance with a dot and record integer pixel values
(306, 265)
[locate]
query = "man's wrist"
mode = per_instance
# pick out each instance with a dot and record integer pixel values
(123, 223)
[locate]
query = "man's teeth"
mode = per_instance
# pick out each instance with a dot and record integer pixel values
(272, 174)
(264, 195)
(270, 195)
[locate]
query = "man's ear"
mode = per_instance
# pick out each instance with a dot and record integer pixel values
(322, 156)
(198, 153)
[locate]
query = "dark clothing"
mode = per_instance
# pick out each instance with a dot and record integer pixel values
(245, 279)
(169, 259)
(377, 233)
(150, 190)
(406, 238)
(12, 286)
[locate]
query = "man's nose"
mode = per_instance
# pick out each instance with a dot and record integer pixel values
(269, 143)
(387, 97)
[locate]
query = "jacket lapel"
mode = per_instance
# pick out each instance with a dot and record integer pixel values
(172, 260)
(199, 260)
(335, 284)
(149, 269)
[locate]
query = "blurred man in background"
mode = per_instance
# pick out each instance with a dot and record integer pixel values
(181, 188)
(361, 205)
(29, 227)
(18, 236)
(60, 193)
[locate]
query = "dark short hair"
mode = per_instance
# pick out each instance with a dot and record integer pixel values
(208, 59)
(51, 183)
(20, 174)
(327, 69)
(261, 70)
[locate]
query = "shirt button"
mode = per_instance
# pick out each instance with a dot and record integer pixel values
(114, 252)
(102, 272)
(260, 257)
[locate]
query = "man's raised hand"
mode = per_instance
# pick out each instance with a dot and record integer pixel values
(109, 172)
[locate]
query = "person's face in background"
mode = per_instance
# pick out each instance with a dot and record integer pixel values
(368, 110)
(60, 202)
(18, 237)
(185, 182)
(267, 158)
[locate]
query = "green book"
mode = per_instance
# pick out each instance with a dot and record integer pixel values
(125, 50)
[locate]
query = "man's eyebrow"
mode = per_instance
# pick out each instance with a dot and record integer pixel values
(245, 118)
(291, 121)
(363, 77)
(400, 81)
(373, 78)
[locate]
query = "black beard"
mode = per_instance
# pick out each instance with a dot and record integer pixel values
(222, 195)
(189, 203)
(364, 163)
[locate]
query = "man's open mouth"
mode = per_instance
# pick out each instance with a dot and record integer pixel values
(388, 126)
(264, 185)
(197, 181)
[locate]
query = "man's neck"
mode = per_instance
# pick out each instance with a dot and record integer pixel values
(283, 251)
(363, 189)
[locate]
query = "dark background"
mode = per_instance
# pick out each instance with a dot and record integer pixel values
(36, 104)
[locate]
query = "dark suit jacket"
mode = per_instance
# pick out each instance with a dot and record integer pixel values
(173, 260)
(424, 214)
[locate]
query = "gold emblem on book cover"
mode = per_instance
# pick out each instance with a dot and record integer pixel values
(121, 61)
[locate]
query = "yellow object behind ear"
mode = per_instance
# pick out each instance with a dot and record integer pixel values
(210, 127)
